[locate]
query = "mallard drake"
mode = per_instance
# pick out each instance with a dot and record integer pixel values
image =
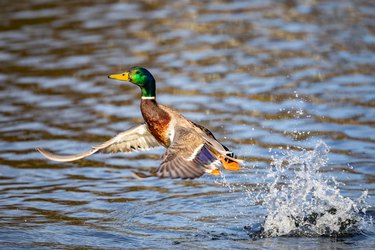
(191, 149)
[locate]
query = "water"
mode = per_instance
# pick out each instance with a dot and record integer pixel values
(275, 81)
(309, 203)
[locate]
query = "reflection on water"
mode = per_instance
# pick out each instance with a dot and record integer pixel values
(262, 75)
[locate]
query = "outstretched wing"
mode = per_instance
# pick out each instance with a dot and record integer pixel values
(134, 139)
(186, 157)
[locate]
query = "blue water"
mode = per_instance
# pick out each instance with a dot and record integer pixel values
(271, 79)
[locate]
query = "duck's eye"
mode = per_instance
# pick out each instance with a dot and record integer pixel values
(137, 72)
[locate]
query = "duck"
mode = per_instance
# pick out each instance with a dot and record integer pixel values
(191, 149)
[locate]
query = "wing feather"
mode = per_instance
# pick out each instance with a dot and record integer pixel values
(134, 139)
(186, 157)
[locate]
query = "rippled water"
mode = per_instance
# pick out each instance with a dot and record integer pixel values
(265, 76)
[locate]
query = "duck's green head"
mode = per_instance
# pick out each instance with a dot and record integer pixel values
(139, 76)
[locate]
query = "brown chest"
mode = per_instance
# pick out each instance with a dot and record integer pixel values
(157, 120)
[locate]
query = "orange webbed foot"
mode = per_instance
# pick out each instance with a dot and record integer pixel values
(213, 171)
(229, 164)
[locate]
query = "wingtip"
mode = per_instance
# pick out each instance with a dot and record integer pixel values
(42, 152)
(47, 154)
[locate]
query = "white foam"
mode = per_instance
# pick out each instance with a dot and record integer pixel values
(303, 201)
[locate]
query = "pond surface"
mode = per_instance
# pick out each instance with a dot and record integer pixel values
(276, 81)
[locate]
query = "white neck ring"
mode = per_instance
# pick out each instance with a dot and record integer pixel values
(148, 97)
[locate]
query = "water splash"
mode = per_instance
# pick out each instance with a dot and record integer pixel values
(302, 201)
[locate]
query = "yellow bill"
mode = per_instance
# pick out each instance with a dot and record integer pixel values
(122, 77)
